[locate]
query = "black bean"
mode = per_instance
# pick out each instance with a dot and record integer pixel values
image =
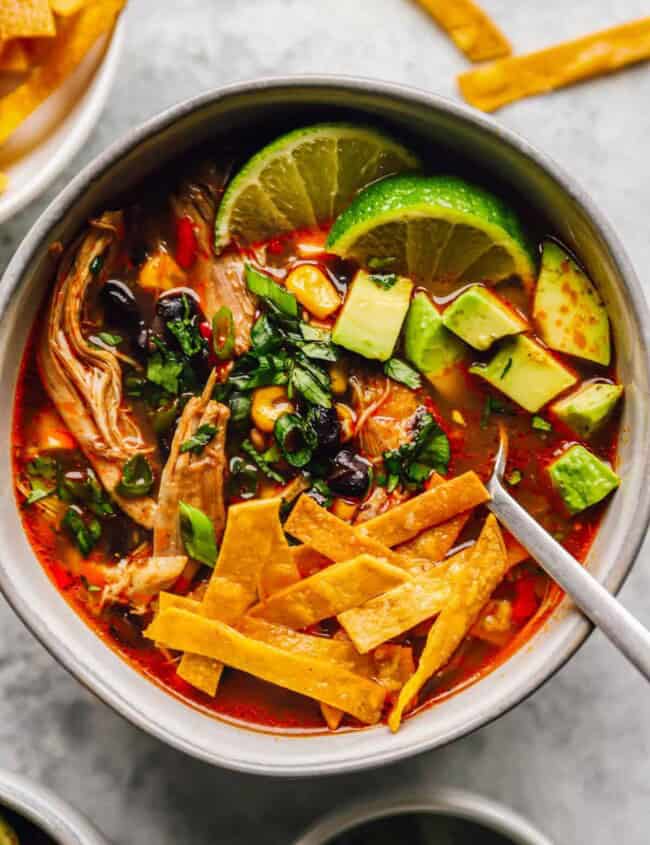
(350, 475)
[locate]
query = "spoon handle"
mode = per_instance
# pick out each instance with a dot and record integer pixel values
(621, 628)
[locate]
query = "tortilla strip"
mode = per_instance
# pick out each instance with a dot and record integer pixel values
(280, 569)
(440, 504)
(390, 665)
(492, 86)
(67, 7)
(26, 18)
(75, 37)
(325, 681)
(4, 181)
(470, 28)
(473, 580)
(333, 537)
(308, 560)
(400, 609)
(248, 542)
(330, 591)
(13, 56)
(515, 552)
(434, 543)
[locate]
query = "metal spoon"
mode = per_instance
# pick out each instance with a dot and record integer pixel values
(618, 625)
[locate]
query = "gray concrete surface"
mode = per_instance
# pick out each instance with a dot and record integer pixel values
(575, 758)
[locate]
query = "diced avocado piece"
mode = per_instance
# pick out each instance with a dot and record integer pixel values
(587, 409)
(569, 312)
(372, 315)
(479, 317)
(581, 479)
(526, 372)
(427, 343)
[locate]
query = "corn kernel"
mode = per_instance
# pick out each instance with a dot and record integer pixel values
(457, 417)
(257, 439)
(339, 378)
(161, 272)
(269, 403)
(313, 290)
(344, 509)
(347, 420)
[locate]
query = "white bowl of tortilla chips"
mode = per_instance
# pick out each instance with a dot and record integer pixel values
(58, 59)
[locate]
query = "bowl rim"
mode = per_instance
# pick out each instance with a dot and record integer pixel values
(441, 801)
(92, 103)
(46, 810)
(397, 93)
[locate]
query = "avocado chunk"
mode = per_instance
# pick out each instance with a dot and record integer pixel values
(569, 312)
(581, 479)
(526, 372)
(372, 315)
(587, 409)
(479, 317)
(427, 343)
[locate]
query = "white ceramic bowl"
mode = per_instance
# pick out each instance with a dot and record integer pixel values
(47, 141)
(452, 803)
(506, 159)
(44, 810)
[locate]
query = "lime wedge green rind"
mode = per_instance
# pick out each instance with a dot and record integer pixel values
(435, 227)
(305, 178)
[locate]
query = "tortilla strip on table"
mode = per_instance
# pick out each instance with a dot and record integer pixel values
(248, 542)
(470, 28)
(329, 592)
(398, 610)
(316, 678)
(330, 536)
(440, 504)
(473, 580)
(494, 85)
(75, 36)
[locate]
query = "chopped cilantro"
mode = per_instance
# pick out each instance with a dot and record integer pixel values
(514, 478)
(384, 280)
(403, 373)
(199, 440)
(540, 424)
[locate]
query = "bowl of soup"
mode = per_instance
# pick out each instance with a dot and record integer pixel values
(444, 817)
(32, 815)
(259, 354)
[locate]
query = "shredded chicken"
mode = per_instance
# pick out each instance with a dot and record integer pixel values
(195, 479)
(84, 381)
(140, 578)
(221, 279)
(384, 409)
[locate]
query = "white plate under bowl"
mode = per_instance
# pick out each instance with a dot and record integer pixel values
(46, 142)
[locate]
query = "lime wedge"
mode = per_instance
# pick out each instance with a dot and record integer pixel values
(438, 227)
(305, 178)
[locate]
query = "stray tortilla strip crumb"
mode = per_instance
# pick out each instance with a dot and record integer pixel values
(494, 85)
(4, 181)
(75, 37)
(313, 677)
(471, 29)
(26, 19)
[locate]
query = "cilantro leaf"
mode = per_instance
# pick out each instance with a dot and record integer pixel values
(403, 373)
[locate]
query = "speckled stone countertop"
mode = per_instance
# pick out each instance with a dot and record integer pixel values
(575, 758)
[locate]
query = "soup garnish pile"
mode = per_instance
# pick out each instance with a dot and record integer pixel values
(255, 417)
